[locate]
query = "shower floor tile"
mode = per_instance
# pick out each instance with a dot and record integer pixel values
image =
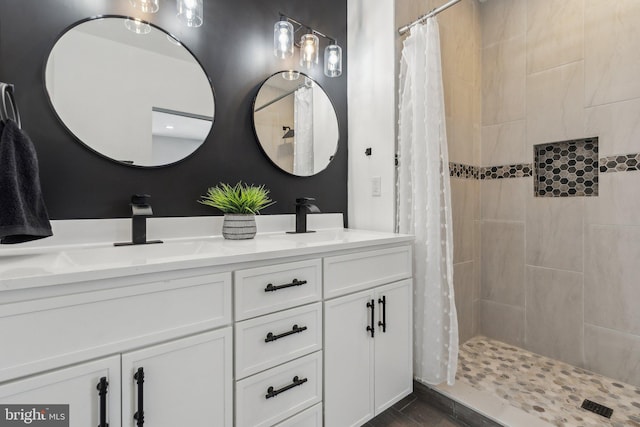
(546, 388)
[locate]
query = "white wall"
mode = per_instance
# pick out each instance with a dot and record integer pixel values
(372, 118)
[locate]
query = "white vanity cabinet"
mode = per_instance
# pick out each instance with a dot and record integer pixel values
(76, 386)
(368, 337)
(278, 342)
(281, 331)
(177, 330)
(186, 382)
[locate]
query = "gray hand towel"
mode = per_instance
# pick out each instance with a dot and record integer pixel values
(23, 214)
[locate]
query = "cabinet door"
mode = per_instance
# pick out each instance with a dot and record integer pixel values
(393, 344)
(187, 382)
(348, 369)
(75, 386)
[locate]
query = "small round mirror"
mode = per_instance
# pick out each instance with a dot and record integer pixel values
(129, 91)
(295, 123)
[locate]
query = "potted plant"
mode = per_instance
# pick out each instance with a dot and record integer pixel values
(239, 203)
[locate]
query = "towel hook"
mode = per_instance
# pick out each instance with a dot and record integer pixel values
(7, 93)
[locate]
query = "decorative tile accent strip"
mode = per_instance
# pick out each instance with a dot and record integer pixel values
(460, 170)
(507, 171)
(623, 163)
(567, 168)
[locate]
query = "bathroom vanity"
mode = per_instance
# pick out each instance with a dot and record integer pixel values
(281, 330)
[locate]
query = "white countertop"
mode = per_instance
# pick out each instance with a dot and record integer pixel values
(46, 266)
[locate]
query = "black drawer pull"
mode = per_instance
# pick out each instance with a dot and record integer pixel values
(371, 328)
(295, 282)
(103, 389)
(271, 392)
(296, 330)
(383, 301)
(139, 415)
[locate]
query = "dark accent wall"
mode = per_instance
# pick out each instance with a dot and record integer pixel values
(235, 47)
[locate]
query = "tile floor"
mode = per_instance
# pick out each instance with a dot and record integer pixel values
(414, 411)
(549, 389)
(516, 388)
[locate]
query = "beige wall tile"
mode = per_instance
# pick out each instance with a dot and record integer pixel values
(502, 20)
(555, 232)
(503, 81)
(555, 33)
(611, 286)
(502, 268)
(555, 109)
(612, 43)
(502, 322)
(463, 201)
(613, 354)
(460, 131)
(617, 125)
(504, 144)
(463, 288)
(554, 314)
(617, 202)
(505, 199)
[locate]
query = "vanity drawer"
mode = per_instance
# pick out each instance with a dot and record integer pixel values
(345, 274)
(254, 409)
(71, 328)
(254, 354)
(264, 290)
(311, 417)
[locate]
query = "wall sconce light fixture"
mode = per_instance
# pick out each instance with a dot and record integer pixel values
(190, 12)
(145, 6)
(284, 34)
(137, 26)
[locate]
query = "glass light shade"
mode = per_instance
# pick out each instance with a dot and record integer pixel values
(283, 39)
(309, 44)
(137, 26)
(333, 61)
(291, 75)
(190, 12)
(146, 6)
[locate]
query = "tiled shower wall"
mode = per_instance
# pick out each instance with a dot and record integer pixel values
(559, 276)
(460, 44)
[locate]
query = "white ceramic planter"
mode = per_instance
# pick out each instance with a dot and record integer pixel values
(239, 226)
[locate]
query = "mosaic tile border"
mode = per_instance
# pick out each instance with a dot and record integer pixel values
(521, 170)
(610, 164)
(459, 170)
(621, 163)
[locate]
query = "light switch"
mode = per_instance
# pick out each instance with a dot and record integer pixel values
(376, 184)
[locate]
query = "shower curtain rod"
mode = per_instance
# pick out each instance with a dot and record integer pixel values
(428, 15)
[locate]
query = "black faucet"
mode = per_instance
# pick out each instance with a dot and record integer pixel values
(303, 207)
(140, 211)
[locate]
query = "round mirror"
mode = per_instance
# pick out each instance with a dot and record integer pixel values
(295, 123)
(129, 91)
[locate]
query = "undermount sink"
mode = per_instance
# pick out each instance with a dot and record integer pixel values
(139, 253)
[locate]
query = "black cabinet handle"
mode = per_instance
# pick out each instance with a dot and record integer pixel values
(271, 392)
(383, 301)
(295, 330)
(370, 328)
(295, 282)
(103, 389)
(139, 415)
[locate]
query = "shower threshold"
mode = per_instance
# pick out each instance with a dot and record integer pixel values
(515, 387)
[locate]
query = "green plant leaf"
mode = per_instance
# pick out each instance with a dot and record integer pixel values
(239, 199)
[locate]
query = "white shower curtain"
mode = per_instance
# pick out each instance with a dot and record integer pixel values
(424, 204)
(303, 124)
